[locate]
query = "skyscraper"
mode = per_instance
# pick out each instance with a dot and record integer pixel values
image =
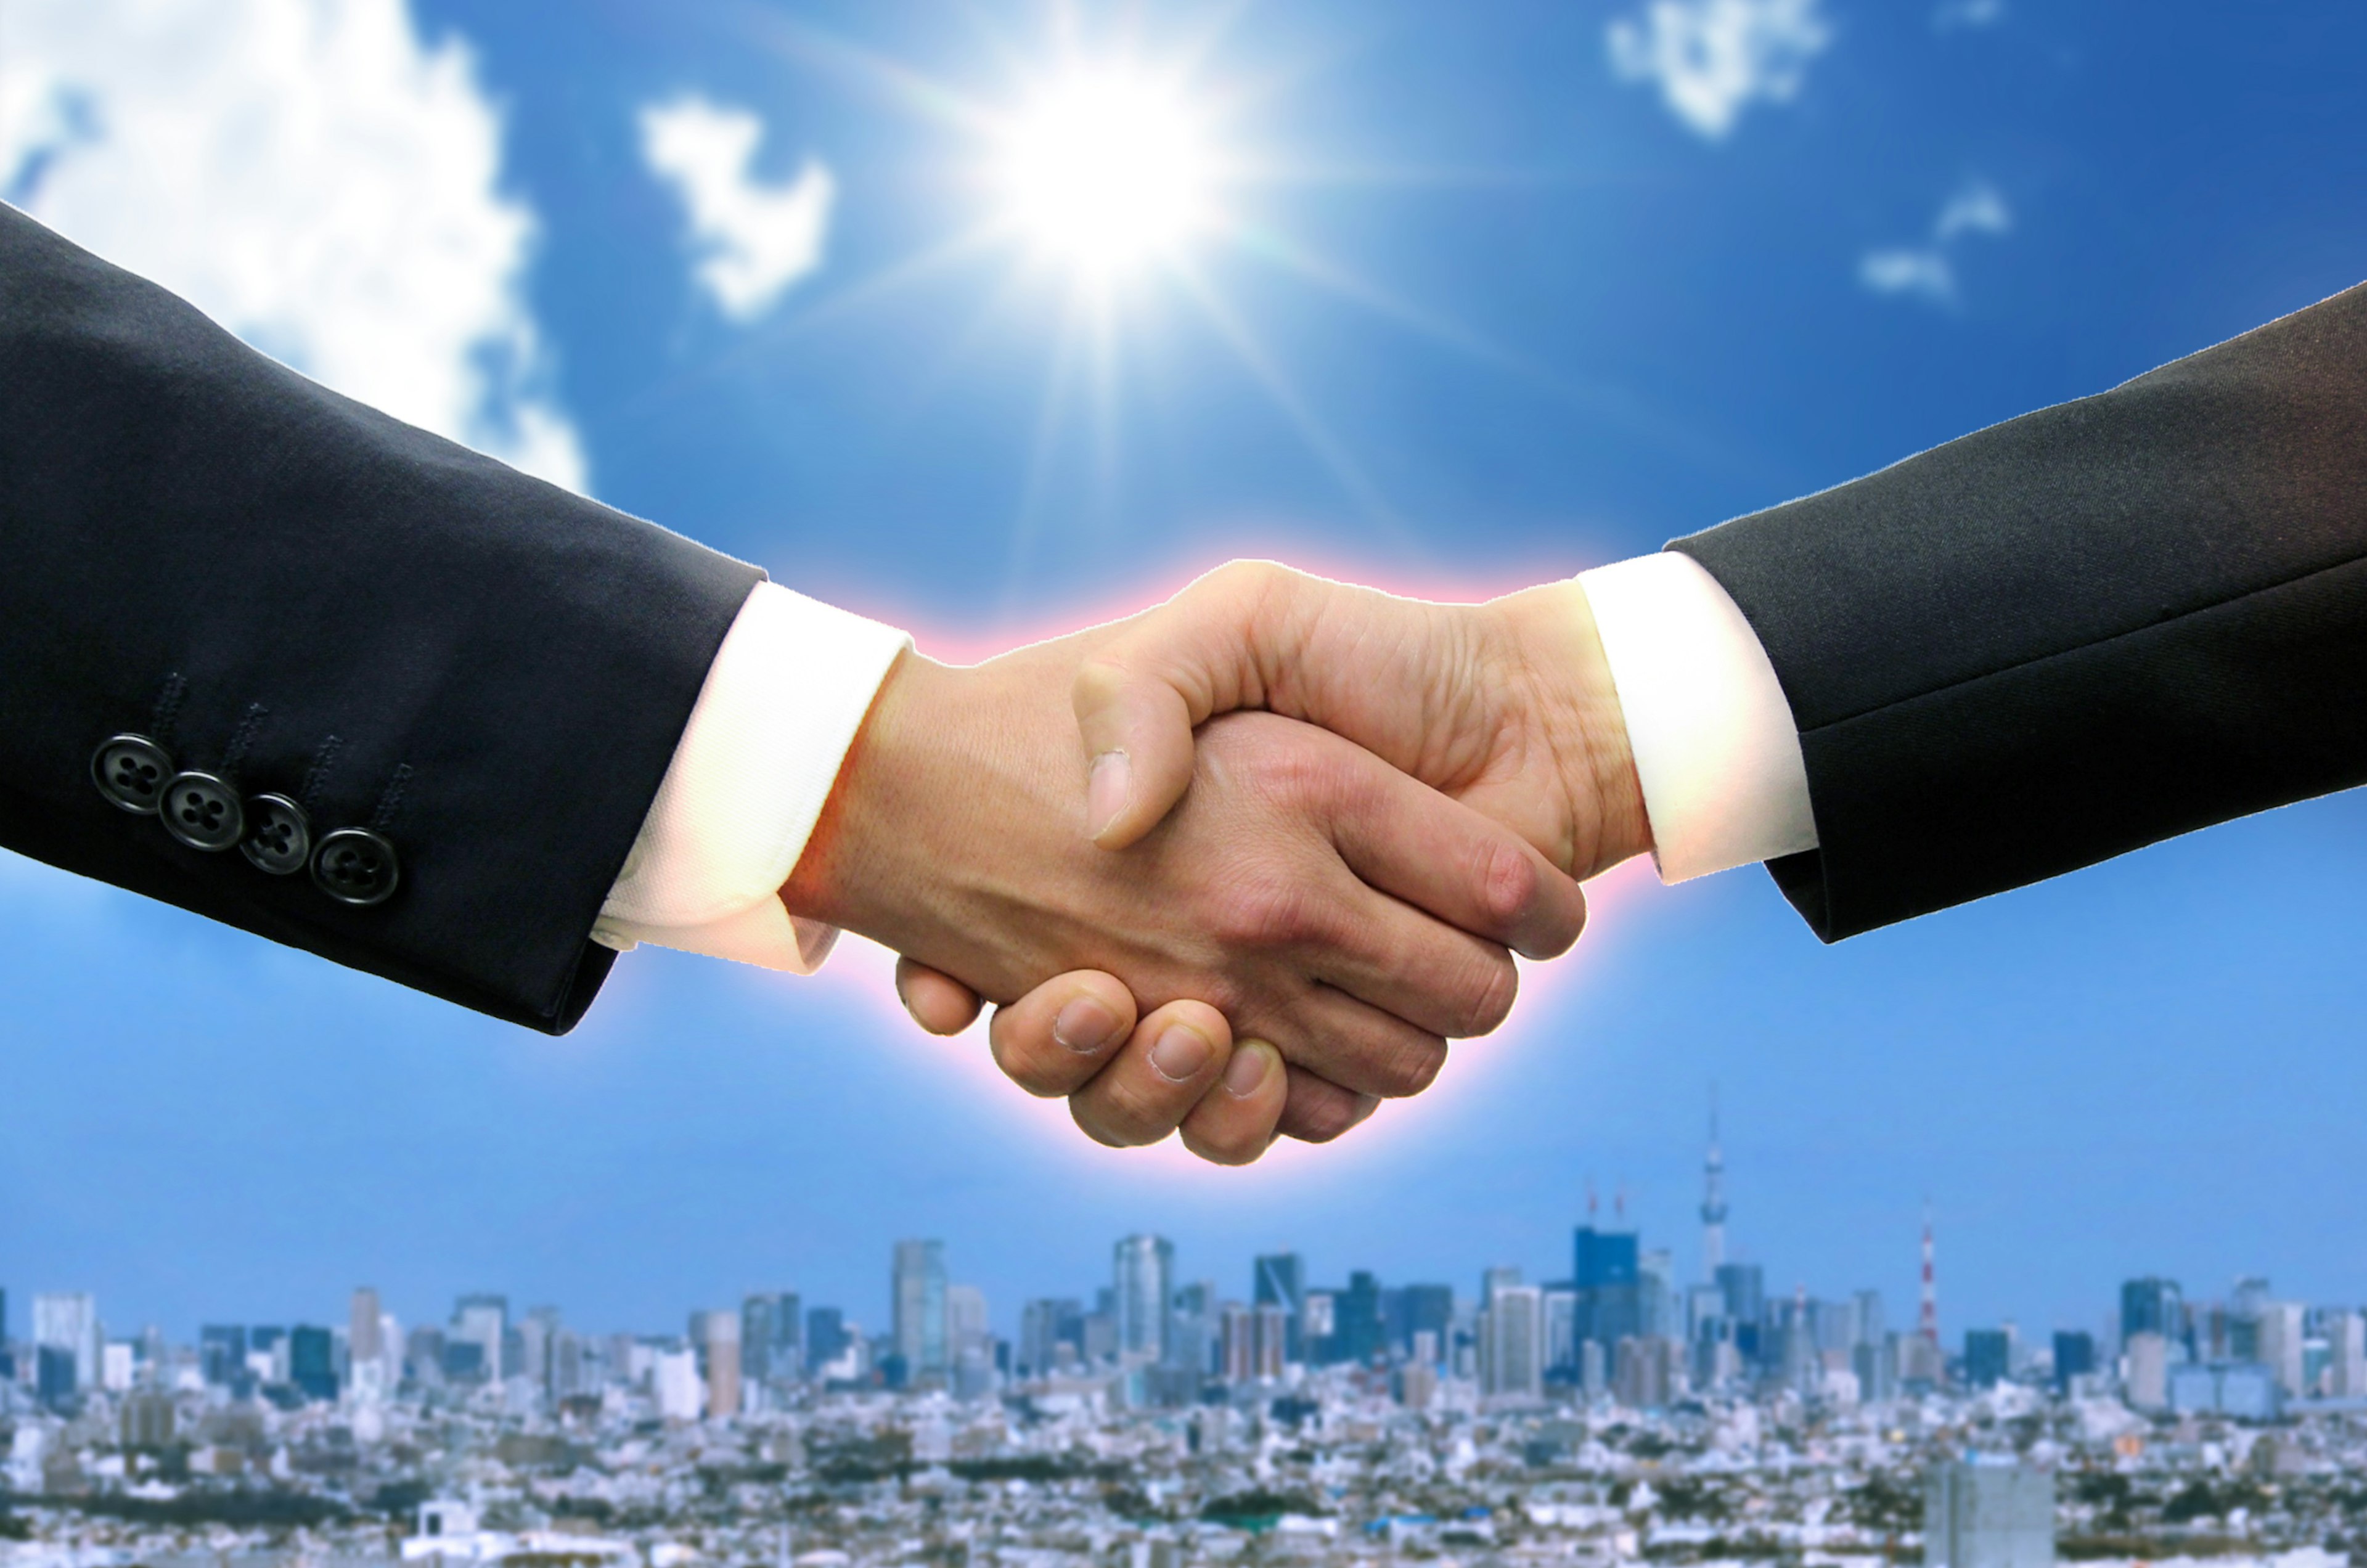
(1713, 1208)
(716, 1337)
(2153, 1305)
(483, 1319)
(311, 1362)
(1141, 1269)
(1512, 1344)
(1606, 1277)
(966, 1326)
(221, 1353)
(2074, 1357)
(1281, 1280)
(67, 1322)
(826, 1338)
(1986, 1353)
(1356, 1320)
(772, 1338)
(362, 1328)
(1051, 1335)
(917, 1286)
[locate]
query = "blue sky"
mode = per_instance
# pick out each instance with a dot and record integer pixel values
(1586, 315)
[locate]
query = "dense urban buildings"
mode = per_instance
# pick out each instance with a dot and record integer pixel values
(1618, 1413)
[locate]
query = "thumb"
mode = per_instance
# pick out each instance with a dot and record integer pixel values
(1137, 735)
(1139, 697)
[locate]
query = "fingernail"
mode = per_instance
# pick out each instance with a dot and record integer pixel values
(1085, 1026)
(1180, 1053)
(1245, 1071)
(1107, 790)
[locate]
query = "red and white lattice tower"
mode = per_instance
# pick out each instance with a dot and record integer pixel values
(1927, 1318)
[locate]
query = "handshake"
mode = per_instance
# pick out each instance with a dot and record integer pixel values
(1239, 866)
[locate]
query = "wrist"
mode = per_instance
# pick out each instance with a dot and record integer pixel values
(848, 874)
(1577, 706)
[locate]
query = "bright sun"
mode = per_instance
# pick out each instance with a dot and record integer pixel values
(1108, 170)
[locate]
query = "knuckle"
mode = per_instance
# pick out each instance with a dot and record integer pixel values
(1237, 1145)
(1270, 913)
(1031, 1072)
(1323, 1121)
(1412, 1067)
(1508, 883)
(1492, 995)
(1122, 1115)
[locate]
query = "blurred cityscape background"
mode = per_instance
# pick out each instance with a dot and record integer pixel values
(1633, 1409)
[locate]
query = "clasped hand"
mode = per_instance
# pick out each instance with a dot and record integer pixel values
(1234, 924)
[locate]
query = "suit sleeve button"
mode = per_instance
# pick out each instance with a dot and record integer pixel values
(203, 812)
(279, 835)
(355, 867)
(130, 772)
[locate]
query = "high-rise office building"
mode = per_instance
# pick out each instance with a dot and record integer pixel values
(2074, 1357)
(1658, 1311)
(1561, 1333)
(2345, 1357)
(715, 1336)
(826, 1338)
(1236, 1343)
(362, 1328)
(2278, 1338)
(311, 1362)
(1713, 1208)
(480, 1319)
(1051, 1335)
(1512, 1344)
(1988, 1356)
(917, 1287)
(966, 1324)
(2148, 1377)
(1608, 1280)
(1141, 1269)
(1270, 1331)
(221, 1353)
(1280, 1280)
(1644, 1373)
(1424, 1309)
(66, 1322)
(772, 1338)
(1357, 1336)
(2153, 1305)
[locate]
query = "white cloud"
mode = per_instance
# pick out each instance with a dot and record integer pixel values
(1926, 272)
(1715, 58)
(1950, 14)
(753, 240)
(1976, 209)
(313, 175)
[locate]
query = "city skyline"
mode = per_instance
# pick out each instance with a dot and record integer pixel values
(1621, 1283)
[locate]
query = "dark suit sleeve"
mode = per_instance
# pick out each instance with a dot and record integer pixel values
(2077, 633)
(304, 597)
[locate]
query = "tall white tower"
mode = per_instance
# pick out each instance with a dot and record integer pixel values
(1713, 1208)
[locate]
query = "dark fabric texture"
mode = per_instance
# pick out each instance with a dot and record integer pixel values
(2076, 633)
(279, 583)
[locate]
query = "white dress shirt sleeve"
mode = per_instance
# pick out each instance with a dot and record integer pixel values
(1715, 748)
(782, 703)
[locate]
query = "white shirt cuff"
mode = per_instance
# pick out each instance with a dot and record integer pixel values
(783, 700)
(1714, 745)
